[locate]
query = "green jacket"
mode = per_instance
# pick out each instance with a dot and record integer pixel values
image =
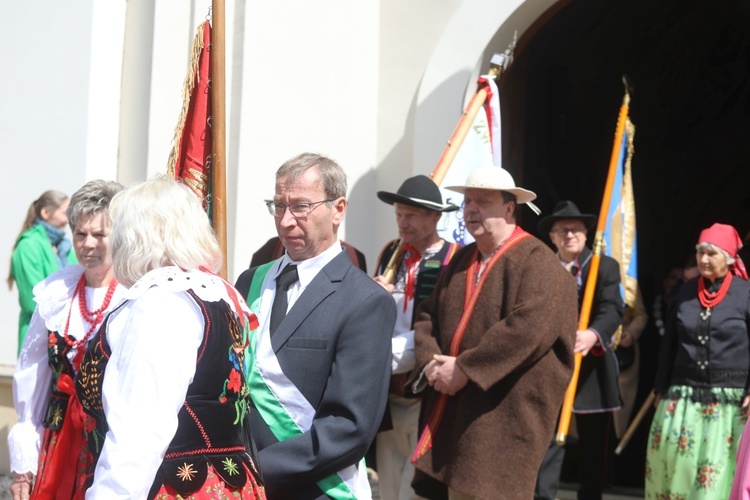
(33, 260)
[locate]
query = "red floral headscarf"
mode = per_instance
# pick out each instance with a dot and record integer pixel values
(725, 237)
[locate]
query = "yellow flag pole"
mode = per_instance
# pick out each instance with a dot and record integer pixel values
(218, 129)
(498, 64)
(588, 295)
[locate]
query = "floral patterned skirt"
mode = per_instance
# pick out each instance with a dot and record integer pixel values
(692, 445)
(215, 489)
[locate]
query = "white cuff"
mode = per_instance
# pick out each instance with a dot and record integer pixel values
(402, 349)
(24, 442)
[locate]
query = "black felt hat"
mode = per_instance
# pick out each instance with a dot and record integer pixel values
(565, 210)
(419, 191)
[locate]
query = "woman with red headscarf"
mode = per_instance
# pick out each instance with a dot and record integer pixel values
(702, 379)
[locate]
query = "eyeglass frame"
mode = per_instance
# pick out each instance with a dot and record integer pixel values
(271, 205)
(563, 231)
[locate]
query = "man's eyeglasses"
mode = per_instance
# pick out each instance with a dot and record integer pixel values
(298, 210)
(563, 231)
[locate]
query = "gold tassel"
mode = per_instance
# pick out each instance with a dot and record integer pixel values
(191, 80)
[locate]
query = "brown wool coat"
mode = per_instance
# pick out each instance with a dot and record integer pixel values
(518, 354)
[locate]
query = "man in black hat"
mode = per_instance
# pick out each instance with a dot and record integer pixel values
(420, 255)
(597, 394)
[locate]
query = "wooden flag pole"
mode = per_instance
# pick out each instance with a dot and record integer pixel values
(588, 295)
(498, 64)
(218, 129)
(635, 423)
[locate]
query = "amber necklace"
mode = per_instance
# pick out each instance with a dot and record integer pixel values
(711, 299)
(91, 317)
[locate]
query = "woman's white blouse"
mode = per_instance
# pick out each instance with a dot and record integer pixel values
(33, 376)
(154, 339)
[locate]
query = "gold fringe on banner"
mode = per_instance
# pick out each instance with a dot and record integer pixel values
(630, 282)
(191, 80)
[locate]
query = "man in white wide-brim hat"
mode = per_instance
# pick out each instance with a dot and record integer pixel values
(494, 350)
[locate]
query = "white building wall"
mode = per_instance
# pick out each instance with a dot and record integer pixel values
(93, 90)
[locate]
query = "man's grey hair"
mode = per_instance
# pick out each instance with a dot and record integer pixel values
(332, 176)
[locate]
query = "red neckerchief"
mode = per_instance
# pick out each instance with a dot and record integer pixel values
(413, 257)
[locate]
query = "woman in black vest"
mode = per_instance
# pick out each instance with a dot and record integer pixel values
(163, 382)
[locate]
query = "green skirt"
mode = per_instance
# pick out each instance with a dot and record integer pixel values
(692, 446)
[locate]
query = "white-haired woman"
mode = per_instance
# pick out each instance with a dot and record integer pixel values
(702, 380)
(47, 446)
(40, 249)
(169, 362)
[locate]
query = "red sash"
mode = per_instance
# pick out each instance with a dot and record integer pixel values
(58, 480)
(473, 288)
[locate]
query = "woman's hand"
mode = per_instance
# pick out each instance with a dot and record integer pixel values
(20, 485)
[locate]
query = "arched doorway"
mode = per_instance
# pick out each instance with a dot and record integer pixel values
(690, 67)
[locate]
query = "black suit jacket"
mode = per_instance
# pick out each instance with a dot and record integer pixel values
(597, 384)
(335, 346)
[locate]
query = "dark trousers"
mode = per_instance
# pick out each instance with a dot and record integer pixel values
(594, 453)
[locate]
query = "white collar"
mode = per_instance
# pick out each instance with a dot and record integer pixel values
(309, 268)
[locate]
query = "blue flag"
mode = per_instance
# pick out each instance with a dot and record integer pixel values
(620, 231)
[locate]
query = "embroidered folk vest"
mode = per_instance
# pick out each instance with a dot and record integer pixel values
(210, 423)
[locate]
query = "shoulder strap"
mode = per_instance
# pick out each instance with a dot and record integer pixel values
(452, 249)
(256, 281)
(252, 278)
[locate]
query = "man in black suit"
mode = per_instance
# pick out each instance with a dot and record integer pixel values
(319, 363)
(598, 393)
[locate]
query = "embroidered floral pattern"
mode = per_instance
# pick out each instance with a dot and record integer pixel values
(667, 495)
(684, 441)
(57, 416)
(216, 489)
(691, 453)
(710, 412)
(656, 439)
(706, 474)
(186, 472)
(236, 355)
(230, 466)
(235, 381)
(671, 407)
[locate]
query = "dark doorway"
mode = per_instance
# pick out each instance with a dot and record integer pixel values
(689, 63)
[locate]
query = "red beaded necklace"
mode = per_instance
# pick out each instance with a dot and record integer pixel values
(91, 317)
(712, 299)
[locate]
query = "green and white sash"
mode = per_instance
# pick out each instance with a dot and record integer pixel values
(281, 405)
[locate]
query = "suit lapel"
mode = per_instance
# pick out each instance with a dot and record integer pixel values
(325, 283)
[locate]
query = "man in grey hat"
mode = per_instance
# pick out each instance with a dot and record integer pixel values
(494, 352)
(597, 393)
(416, 258)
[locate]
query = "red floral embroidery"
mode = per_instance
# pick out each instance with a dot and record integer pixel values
(89, 424)
(235, 381)
(51, 340)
